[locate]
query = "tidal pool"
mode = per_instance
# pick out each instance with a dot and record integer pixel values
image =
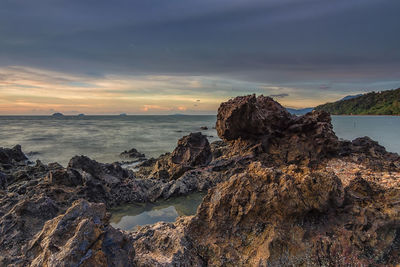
(128, 217)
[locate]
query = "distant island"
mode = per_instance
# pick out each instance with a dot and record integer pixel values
(57, 114)
(81, 115)
(374, 103)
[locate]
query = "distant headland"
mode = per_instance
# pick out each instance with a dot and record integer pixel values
(373, 103)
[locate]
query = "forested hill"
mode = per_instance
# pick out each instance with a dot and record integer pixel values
(374, 103)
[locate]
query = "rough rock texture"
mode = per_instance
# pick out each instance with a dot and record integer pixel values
(251, 117)
(292, 217)
(132, 154)
(192, 151)
(266, 125)
(283, 191)
(10, 155)
(80, 237)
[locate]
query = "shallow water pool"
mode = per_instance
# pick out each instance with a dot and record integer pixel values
(128, 217)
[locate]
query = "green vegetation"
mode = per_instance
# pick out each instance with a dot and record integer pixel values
(380, 103)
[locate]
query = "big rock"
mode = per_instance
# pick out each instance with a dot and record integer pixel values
(246, 121)
(249, 117)
(7, 155)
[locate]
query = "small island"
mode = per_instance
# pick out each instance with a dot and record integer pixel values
(373, 103)
(57, 114)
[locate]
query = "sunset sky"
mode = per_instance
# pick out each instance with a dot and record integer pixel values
(186, 56)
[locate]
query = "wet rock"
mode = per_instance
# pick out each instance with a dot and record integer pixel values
(15, 154)
(132, 154)
(203, 128)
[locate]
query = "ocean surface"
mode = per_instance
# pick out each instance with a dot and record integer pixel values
(103, 138)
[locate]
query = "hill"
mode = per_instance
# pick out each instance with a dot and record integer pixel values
(374, 103)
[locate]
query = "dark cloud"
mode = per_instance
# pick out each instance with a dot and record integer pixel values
(279, 95)
(324, 87)
(275, 41)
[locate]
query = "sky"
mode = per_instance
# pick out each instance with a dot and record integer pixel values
(180, 56)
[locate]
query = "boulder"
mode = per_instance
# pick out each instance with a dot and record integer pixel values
(192, 150)
(251, 117)
(7, 155)
(80, 237)
(262, 125)
(132, 154)
(296, 217)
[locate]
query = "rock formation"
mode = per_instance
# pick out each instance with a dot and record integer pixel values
(283, 191)
(10, 156)
(132, 154)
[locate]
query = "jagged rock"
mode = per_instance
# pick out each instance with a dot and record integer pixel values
(165, 244)
(7, 155)
(192, 150)
(80, 237)
(263, 125)
(99, 170)
(309, 139)
(64, 177)
(249, 117)
(296, 217)
(132, 154)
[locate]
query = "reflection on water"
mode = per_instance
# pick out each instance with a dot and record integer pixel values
(127, 217)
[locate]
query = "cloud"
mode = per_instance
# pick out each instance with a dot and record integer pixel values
(280, 95)
(324, 87)
(102, 55)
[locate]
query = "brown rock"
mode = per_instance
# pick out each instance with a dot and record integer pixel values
(77, 238)
(249, 117)
(192, 150)
(296, 217)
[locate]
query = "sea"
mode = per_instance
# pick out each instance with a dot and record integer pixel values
(103, 138)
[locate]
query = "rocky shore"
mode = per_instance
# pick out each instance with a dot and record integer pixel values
(282, 191)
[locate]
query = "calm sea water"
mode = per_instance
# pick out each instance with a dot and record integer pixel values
(127, 217)
(104, 137)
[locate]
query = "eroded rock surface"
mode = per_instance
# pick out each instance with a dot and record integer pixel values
(251, 117)
(283, 191)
